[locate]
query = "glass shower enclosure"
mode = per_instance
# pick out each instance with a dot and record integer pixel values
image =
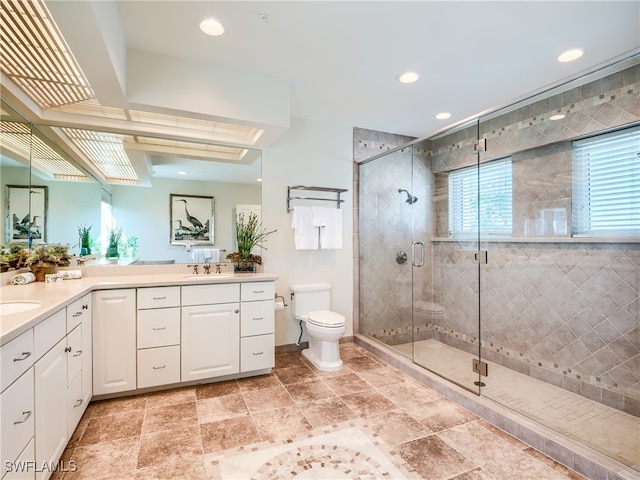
(490, 255)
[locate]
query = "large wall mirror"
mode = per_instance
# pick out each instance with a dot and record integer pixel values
(214, 180)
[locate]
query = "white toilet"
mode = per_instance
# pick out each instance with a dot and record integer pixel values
(311, 303)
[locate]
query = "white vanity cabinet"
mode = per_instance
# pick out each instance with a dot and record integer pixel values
(158, 336)
(114, 341)
(257, 326)
(210, 331)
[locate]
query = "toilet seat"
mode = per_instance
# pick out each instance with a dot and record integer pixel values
(326, 318)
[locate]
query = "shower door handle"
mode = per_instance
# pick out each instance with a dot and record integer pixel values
(413, 253)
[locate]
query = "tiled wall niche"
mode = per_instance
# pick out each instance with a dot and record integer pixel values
(557, 309)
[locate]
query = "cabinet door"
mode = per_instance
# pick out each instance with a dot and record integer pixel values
(210, 341)
(114, 341)
(51, 429)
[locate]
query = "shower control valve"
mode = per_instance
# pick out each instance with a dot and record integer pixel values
(401, 257)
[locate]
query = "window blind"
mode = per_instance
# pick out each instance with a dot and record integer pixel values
(487, 208)
(606, 184)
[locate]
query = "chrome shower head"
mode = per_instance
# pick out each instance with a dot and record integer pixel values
(410, 198)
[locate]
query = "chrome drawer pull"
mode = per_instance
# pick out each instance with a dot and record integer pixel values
(159, 328)
(77, 314)
(78, 403)
(258, 291)
(259, 353)
(160, 368)
(258, 318)
(24, 356)
(78, 353)
(24, 419)
(160, 298)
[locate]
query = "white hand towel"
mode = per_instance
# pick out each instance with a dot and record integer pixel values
(331, 233)
(22, 278)
(306, 233)
(319, 216)
(199, 255)
(71, 274)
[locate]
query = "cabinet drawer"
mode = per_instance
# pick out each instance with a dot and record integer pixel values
(257, 318)
(208, 294)
(158, 366)
(74, 354)
(16, 406)
(49, 332)
(27, 457)
(16, 357)
(258, 291)
(158, 297)
(257, 353)
(158, 328)
(75, 407)
(78, 310)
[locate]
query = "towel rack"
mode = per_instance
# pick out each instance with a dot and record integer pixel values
(337, 191)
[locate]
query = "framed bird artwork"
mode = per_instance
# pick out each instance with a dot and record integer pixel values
(26, 219)
(191, 219)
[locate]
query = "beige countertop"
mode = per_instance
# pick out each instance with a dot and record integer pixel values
(54, 296)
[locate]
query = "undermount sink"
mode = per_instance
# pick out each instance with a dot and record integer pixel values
(7, 308)
(204, 276)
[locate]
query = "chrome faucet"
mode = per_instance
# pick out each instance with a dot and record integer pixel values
(206, 266)
(80, 261)
(218, 265)
(195, 268)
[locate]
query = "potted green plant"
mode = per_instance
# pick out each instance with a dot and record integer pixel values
(84, 239)
(115, 233)
(46, 259)
(249, 235)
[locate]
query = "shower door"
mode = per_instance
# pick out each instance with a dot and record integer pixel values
(446, 313)
(419, 291)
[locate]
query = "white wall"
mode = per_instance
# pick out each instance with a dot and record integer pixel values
(319, 154)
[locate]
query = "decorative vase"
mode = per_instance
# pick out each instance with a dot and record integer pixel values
(244, 266)
(40, 269)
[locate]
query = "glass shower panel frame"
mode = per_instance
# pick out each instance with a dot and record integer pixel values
(552, 314)
(446, 313)
(385, 254)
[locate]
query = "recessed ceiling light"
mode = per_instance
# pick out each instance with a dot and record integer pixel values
(570, 55)
(212, 27)
(558, 116)
(182, 172)
(408, 77)
(443, 115)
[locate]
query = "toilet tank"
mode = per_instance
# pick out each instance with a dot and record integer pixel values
(310, 297)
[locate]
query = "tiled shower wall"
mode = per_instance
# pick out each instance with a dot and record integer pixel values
(559, 309)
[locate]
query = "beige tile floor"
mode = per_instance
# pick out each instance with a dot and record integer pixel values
(366, 421)
(605, 429)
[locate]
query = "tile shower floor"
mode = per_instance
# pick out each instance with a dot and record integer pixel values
(610, 431)
(366, 421)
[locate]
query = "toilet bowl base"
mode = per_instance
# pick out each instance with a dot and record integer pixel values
(322, 365)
